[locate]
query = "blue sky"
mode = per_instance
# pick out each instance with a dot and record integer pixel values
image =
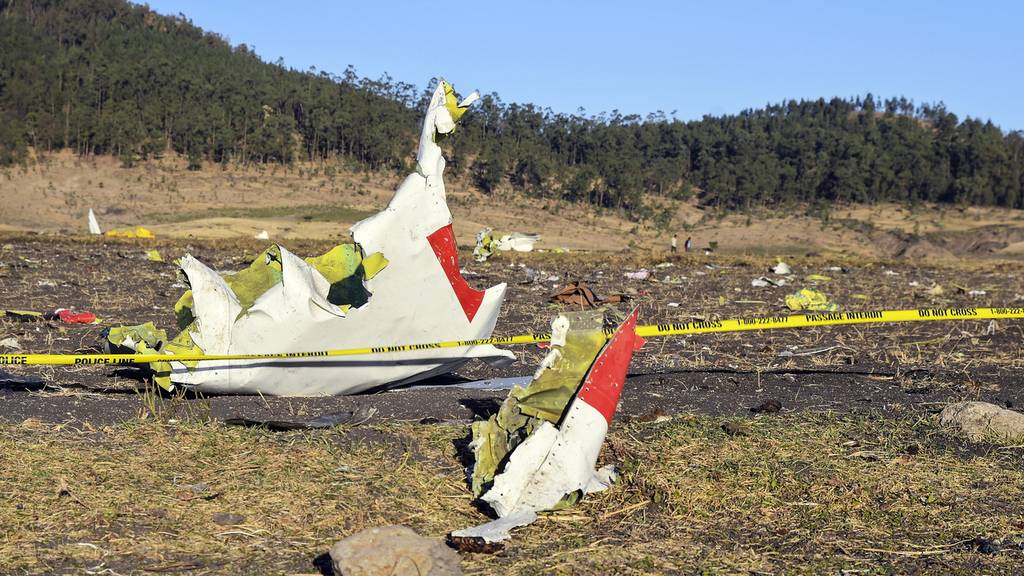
(695, 58)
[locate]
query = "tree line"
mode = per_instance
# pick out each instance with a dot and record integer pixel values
(111, 77)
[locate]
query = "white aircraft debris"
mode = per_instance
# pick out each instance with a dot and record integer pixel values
(398, 283)
(487, 243)
(94, 225)
(554, 465)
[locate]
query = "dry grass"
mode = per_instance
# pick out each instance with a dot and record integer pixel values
(237, 201)
(804, 493)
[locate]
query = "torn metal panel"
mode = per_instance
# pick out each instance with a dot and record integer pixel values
(487, 243)
(69, 317)
(810, 299)
(576, 339)
(144, 338)
(137, 232)
(579, 294)
(497, 530)
(94, 225)
(22, 315)
(398, 283)
(518, 242)
(484, 245)
(554, 465)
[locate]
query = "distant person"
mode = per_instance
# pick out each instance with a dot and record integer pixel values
(674, 244)
(688, 245)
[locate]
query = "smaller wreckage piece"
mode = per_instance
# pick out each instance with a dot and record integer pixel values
(546, 438)
(94, 225)
(398, 283)
(487, 243)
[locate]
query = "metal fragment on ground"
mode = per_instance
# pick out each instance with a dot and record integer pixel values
(487, 243)
(94, 225)
(397, 283)
(539, 452)
(810, 299)
(579, 294)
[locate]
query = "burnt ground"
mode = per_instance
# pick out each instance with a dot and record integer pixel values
(839, 369)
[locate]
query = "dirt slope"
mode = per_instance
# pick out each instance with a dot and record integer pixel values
(320, 201)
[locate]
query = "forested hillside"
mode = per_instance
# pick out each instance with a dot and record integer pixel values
(110, 77)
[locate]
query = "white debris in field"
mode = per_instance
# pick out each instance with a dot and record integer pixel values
(552, 462)
(10, 343)
(976, 293)
(94, 225)
(500, 529)
(408, 269)
(793, 351)
(782, 269)
(990, 329)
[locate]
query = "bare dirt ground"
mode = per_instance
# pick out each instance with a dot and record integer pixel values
(315, 201)
(865, 367)
(850, 474)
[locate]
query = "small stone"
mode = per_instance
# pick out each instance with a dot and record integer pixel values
(393, 550)
(228, 519)
(985, 545)
(767, 407)
(981, 420)
(10, 343)
(654, 416)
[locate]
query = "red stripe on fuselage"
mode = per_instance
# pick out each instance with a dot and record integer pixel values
(443, 243)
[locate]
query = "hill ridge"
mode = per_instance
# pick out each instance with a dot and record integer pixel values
(111, 77)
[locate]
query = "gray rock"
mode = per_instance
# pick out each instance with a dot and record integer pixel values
(228, 519)
(981, 420)
(393, 550)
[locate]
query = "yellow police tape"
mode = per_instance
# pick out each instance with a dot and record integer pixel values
(695, 327)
